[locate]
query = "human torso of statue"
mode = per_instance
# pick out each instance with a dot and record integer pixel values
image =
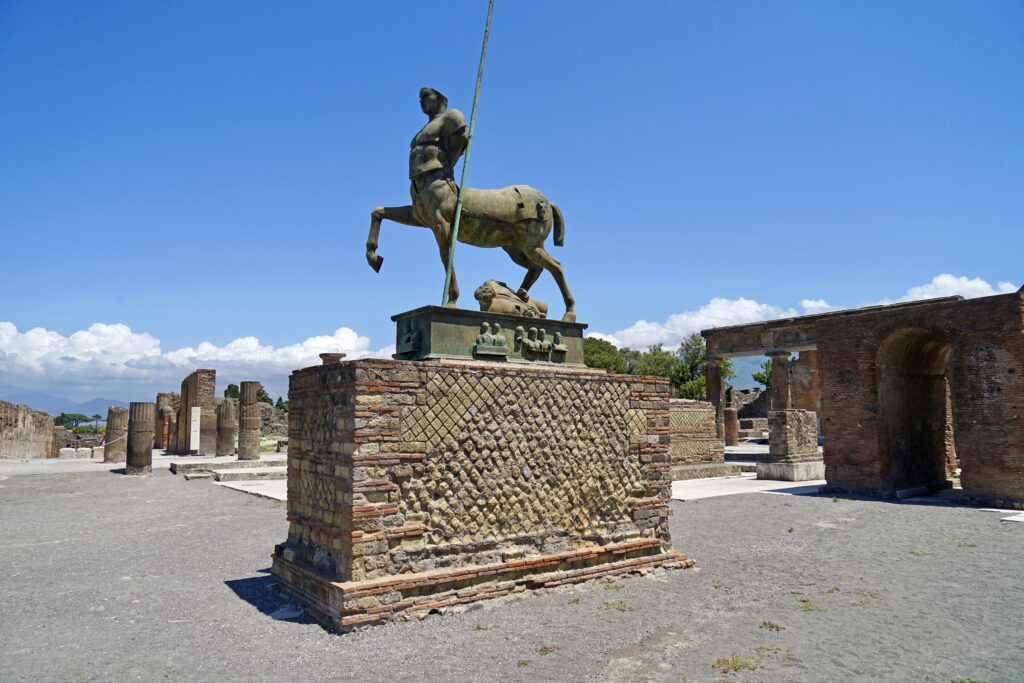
(438, 145)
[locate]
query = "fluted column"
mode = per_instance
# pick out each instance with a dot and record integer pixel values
(140, 438)
(116, 435)
(248, 422)
(227, 427)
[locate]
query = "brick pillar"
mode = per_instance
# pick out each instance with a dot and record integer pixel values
(227, 427)
(731, 423)
(140, 438)
(713, 369)
(116, 435)
(779, 394)
(792, 447)
(249, 423)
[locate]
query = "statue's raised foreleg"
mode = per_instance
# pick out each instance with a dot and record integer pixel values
(540, 257)
(398, 214)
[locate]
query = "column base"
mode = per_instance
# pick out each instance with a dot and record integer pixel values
(791, 471)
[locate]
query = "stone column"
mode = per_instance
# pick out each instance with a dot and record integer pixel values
(713, 369)
(731, 424)
(116, 435)
(140, 438)
(227, 427)
(248, 423)
(779, 394)
(792, 447)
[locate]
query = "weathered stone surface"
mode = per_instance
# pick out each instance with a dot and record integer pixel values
(116, 447)
(414, 485)
(227, 426)
(249, 421)
(197, 390)
(884, 395)
(792, 447)
(140, 438)
(731, 422)
(67, 453)
(167, 406)
(25, 433)
(694, 435)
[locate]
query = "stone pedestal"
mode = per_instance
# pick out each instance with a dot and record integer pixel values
(227, 428)
(140, 438)
(792, 447)
(731, 421)
(415, 486)
(116, 434)
(249, 422)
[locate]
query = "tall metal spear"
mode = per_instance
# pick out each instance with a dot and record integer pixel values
(465, 162)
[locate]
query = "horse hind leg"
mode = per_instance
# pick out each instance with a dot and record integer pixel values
(532, 271)
(540, 257)
(442, 235)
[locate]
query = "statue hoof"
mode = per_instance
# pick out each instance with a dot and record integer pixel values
(375, 261)
(523, 294)
(569, 317)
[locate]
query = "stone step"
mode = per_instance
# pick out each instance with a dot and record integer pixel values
(250, 473)
(211, 465)
(189, 476)
(704, 471)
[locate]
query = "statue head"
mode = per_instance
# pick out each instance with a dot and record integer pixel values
(484, 328)
(432, 102)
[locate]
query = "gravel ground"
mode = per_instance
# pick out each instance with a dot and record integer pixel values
(115, 578)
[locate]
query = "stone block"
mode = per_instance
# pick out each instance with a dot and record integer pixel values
(67, 453)
(791, 471)
(97, 453)
(83, 453)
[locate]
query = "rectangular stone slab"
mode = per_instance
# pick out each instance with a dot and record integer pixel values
(435, 332)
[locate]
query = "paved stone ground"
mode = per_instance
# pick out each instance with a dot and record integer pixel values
(107, 577)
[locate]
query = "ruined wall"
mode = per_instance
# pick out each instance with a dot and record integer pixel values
(751, 403)
(694, 438)
(805, 383)
(167, 406)
(413, 470)
(198, 390)
(25, 433)
(883, 377)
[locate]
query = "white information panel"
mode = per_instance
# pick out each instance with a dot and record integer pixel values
(193, 439)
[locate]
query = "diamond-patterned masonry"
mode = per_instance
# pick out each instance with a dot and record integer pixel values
(418, 485)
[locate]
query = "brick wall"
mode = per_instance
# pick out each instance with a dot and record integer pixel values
(694, 438)
(883, 396)
(198, 390)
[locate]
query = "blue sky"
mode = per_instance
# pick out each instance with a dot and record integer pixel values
(174, 174)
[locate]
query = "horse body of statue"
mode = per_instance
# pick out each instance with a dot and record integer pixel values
(517, 218)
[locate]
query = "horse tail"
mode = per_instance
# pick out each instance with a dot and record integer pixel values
(559, 225)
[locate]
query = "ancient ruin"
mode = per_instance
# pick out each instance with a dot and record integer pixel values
(249, 422)
(196, 430)
(167, 406)
(25, 433)
(905, 391)
(227, 426)
(792, 447)
(695, 450)
(140, 438)
(115, 448)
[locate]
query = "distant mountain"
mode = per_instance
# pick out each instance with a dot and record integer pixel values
(55, 405)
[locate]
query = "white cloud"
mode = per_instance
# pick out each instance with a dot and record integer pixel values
(723, 312)
(112, 361)
(716, 313)
(950, 285)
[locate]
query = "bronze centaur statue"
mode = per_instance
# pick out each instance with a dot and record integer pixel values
(517, 218)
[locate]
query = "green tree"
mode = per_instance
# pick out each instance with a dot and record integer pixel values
(232, 391)
(70, 419)
(96, 421)
(656, 361)
(281, 404)
(262, 396)
(597, 353)
(764, 375)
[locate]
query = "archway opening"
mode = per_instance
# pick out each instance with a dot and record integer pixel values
(915, 408)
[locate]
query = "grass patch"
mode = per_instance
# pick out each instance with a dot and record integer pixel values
(619, 606)
(481, 627)
(545, 650)
(737, 662)
(809, 606)
(574, 601)
(523, 663)
(919, 553)
(833, 589)
(771, 626)
(612, 587)
(966, 680)
(965, 544)
(716, 583)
